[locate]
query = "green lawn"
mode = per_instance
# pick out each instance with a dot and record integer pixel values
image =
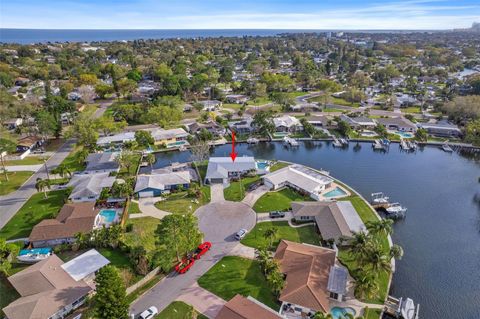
(15, 180)
(279, 200)
(412, 109)
(132, 171)
(236, 191)
(233, 106)
(277, 166)
(73, 162)
(181, 203)
(133, 208)
(29, 160)
(202, 169)
(372, 313)
(305, 234)
(332, 110)
(259, 101)
(142, 233)
(34, 211)
(236, 275)
(179, 310)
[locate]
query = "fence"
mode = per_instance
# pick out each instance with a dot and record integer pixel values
(143, 281)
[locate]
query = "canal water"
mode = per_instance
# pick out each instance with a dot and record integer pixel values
(441, 234)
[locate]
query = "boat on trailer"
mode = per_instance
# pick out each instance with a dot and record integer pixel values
(31, 256)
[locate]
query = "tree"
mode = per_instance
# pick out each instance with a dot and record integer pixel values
(6, 146)
(110, 299)
(87, 79)
(321, 315)
(144, 139)
(421, 134)
(46, 123)
(177, 234)
(200, 150)
(42, 185)
(263, 122)
(107, 125)
(271, 234)
(121, 190)
(472, 132)
(396, 252)
(308, 127)
(138, 255)
(344, 128)
(365, 284)
(359, 244)
(376, 258)
(85, 131)
(7, 252)
(62, 170)
(126, 86)
(126, 159)
(87, 93)
(103, 90)
(382, 226)
(150, 158)
(276, 280)
(283, 99)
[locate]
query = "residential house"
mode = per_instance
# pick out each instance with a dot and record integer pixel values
(312, 278)
(240, 307)
(321, 121)
(236, 98)
(175, 137)
(158, 184)
(405, 100)
(116, 139)
(335, 220)
(88, 187)
(72, 219)
(300, 178)
(21, 81)
(399, 124)
(287, 123)
(29, 143)
(223, 169)
(211, 126)
(359, 123)
(210, 105)
(12, 124)
(242, 126)
(52, 289)
(441, 129)
(102, 163)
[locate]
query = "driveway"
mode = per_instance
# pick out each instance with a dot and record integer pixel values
(219, 222)
(263, 217)
(148, 209)
(253, 196)
(216, 193)
(202, 300)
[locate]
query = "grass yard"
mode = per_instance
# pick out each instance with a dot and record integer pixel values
(372, 313)
(412, 109)
(29, 160)
(54, 144)
(73, 161)
(15, 180)
(132, 171)
(277, 166)
(133, 208)
(279, 200)
(236, 191)
(232, 106)
(202, 169)
(142, 233)
(332, 110)
(181, 203)
(259, 101)
(236, 275)
(305, 234)
(179, 310)
(36, 209)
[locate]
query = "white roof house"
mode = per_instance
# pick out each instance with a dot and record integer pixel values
(286, 123)
(156, 184)
(358, 122)
(119, 138)
(298, 177)
(87, 188)
(84, 265)
(220, 169)
(160, 134)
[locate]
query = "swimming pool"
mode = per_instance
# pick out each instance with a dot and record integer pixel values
(262, 165)
(108, 215)
(404, 134)
(337, 192)
(41, 251)
(340, 313)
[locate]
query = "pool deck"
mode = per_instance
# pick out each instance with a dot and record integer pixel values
(332, 187)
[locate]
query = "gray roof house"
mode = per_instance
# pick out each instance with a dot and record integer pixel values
(119, 138)
(334, 220)
(442, 129)
(157, 184)
(222, 169)
(101, 163)
(88, 187)
(242, 126)
(359, 122)
(400, 124)
(287, 123)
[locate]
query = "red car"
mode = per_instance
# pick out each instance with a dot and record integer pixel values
(202, 249)
(184, 265)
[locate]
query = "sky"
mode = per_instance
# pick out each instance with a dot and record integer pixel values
(233, 14)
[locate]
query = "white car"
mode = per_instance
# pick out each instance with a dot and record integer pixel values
(149, 313)
(240, 234)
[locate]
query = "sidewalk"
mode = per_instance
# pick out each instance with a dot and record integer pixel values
(24, 168)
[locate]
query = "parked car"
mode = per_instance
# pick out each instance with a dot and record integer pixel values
(149, 313)
(276, 214)
(202, 249)
(240, 234)
(185, 265)
(254, 186)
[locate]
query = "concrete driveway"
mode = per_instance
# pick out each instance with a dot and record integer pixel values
(148, 209)
(216, 193)
(253, 196)
(202, 300)
(264, 217)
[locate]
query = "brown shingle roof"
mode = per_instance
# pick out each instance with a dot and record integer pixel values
(307, 269)
(45, 288)
(72, 219)
(240, 307)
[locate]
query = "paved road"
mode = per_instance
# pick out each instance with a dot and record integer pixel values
(11, 203)
(218, 221)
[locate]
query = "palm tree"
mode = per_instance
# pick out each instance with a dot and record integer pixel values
(321, 315)
(276, 281)
(62, 170)
(271, 234)
(42, 185)
(150, 158)
(365, 284)
(380, 226)
(82, 155)
(360, 243)
(396, 252)
(377, 258)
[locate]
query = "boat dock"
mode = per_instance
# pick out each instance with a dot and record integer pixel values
(408, 145)
(401, 308)
(392, 210)
(288, 141)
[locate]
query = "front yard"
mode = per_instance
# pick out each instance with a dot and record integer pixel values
(179, 310)
(279, 200)
(73, 161)
(36, 209)
(181, 203)
(236, 275)
(236, 191)
(305, 234)
(15, 180)
(142, 233)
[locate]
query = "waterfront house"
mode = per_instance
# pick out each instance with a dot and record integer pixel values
(359, 123)
(300, 178)
(321, 121)
(102, 163)
(240, 307)
(236, 98)
(313, 278)
(52, 289)
(174, 137)
(399, 124)
(211, 126)
(158, 184)
(242, 126)
(210, 105)
(287, 123)
(441, 129)
(72, 219)
(88, 187)
(223, 169)
(116, 139)
(335, 220)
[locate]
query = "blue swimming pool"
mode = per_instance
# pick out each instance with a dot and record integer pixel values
(41, 251)
(262, 165)
(108, 215)
(340, 313)
(404, 134)
(337, 192)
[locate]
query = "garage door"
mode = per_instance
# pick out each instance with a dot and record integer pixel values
(145, 194)
(216, 181)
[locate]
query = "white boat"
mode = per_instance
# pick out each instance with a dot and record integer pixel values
(288, 141)
(447, 148)
(378, 145)
(252, 140)
(31, 256)
(337, 143)
(396, 209)
(343, 141)
(379, 198)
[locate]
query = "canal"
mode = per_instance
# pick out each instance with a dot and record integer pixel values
(441, 234)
